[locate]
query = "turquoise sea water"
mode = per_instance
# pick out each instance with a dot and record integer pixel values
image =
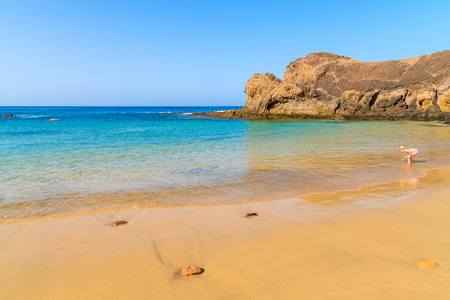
(108, 158)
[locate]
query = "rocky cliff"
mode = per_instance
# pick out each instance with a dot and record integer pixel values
(325, 85)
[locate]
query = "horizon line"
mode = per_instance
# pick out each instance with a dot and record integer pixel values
(117, 105)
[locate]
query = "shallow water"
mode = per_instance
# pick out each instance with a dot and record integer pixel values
(107, 158)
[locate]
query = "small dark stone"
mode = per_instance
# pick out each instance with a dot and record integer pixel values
(433, 108)
(118, 223)
(446, 120)
(251, 215)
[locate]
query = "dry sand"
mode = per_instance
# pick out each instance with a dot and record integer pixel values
(366, 244)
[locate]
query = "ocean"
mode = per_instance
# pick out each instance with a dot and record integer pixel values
(96, 159)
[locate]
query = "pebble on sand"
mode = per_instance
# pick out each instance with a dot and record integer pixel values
(191, 270)
(118, 223)
(251, 215)
(427, 264)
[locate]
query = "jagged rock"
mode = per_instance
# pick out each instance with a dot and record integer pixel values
(191, 270)
(8, 116)
(352, 95)
(258, 88)
(391, 100)
(444, 101)
(349, 107)
(411, 99)
(426, 97)
(444, 96)
(325, 85)
(368, 99)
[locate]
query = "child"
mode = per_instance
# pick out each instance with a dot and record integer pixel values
(411, 152)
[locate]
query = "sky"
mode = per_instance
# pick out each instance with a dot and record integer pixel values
(160, 53)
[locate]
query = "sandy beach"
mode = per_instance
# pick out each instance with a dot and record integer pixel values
(224, 150)
(362, 244)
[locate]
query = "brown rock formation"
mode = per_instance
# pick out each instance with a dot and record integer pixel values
(443, 99)
(191, 270)
(325, 85)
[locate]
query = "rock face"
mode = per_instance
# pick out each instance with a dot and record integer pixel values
(325, 85)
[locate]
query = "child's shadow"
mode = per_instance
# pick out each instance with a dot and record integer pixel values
(420, 161)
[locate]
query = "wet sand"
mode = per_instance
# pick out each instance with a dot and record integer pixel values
(363, 244)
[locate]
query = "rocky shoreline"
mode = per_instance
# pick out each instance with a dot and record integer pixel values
(442, 117)
(328, 86)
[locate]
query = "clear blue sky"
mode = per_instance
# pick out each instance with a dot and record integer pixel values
(192, 52)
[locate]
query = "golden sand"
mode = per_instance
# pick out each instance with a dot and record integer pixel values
(367, 244)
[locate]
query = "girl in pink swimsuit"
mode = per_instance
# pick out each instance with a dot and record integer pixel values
(410, 153)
